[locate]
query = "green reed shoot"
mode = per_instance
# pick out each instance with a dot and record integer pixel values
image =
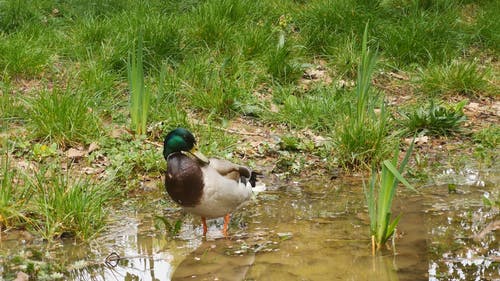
(140, 96)
(382, 226)
(361, 136)
(365, 71)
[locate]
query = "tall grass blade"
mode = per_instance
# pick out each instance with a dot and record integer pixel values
(139, 95)
(402, 166)
(365, 69)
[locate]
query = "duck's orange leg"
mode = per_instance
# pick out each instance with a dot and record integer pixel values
(205, 228)
(227, 218)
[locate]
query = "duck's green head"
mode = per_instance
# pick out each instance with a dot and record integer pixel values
(181, 140)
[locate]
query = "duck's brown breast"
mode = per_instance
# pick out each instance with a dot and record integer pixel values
(184, 180)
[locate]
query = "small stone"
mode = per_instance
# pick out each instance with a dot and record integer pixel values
(284, 235)
(21, 276)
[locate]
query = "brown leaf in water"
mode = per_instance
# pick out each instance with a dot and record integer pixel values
(492, 226)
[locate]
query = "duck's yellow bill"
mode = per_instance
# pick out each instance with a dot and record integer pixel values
(199, 155)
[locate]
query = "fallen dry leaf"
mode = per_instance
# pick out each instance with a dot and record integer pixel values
(23, 164)
(320, 141)
(74, 153)
(418, 140)
(118, 132)
(496, 108)
(473, 107)
(92, 147)
(492, 226)
(398, 76)
(92, 170)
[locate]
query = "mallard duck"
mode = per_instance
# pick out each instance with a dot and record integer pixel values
(209, 188)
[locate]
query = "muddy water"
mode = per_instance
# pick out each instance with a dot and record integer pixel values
(313, 230)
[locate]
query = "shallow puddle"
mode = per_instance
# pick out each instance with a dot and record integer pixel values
(316, 230)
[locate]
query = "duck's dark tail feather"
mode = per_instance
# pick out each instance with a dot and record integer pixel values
(253, 178)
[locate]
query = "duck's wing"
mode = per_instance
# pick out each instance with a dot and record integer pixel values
(229, 169)
(234, 171)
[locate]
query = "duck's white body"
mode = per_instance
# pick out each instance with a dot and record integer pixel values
(223, 192)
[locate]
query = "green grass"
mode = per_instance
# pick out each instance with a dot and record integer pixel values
(488, 137)
(327, 24)
(434, 119)
(420, 35)
(312, 109)
(345, 57)
(453, 78)
(62, 116)
(13, 196)
(214, 27)
(165, 107)
(283, 60)
(11, 108)
(68, 205)
(225, 86)
(215, 55)
(487, 25)
(16, 14)
(130, 158)
(215, 142)
(486, 143)
(103, 85)
(24, 53)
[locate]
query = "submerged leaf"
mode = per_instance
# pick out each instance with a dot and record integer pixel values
(392, 226)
